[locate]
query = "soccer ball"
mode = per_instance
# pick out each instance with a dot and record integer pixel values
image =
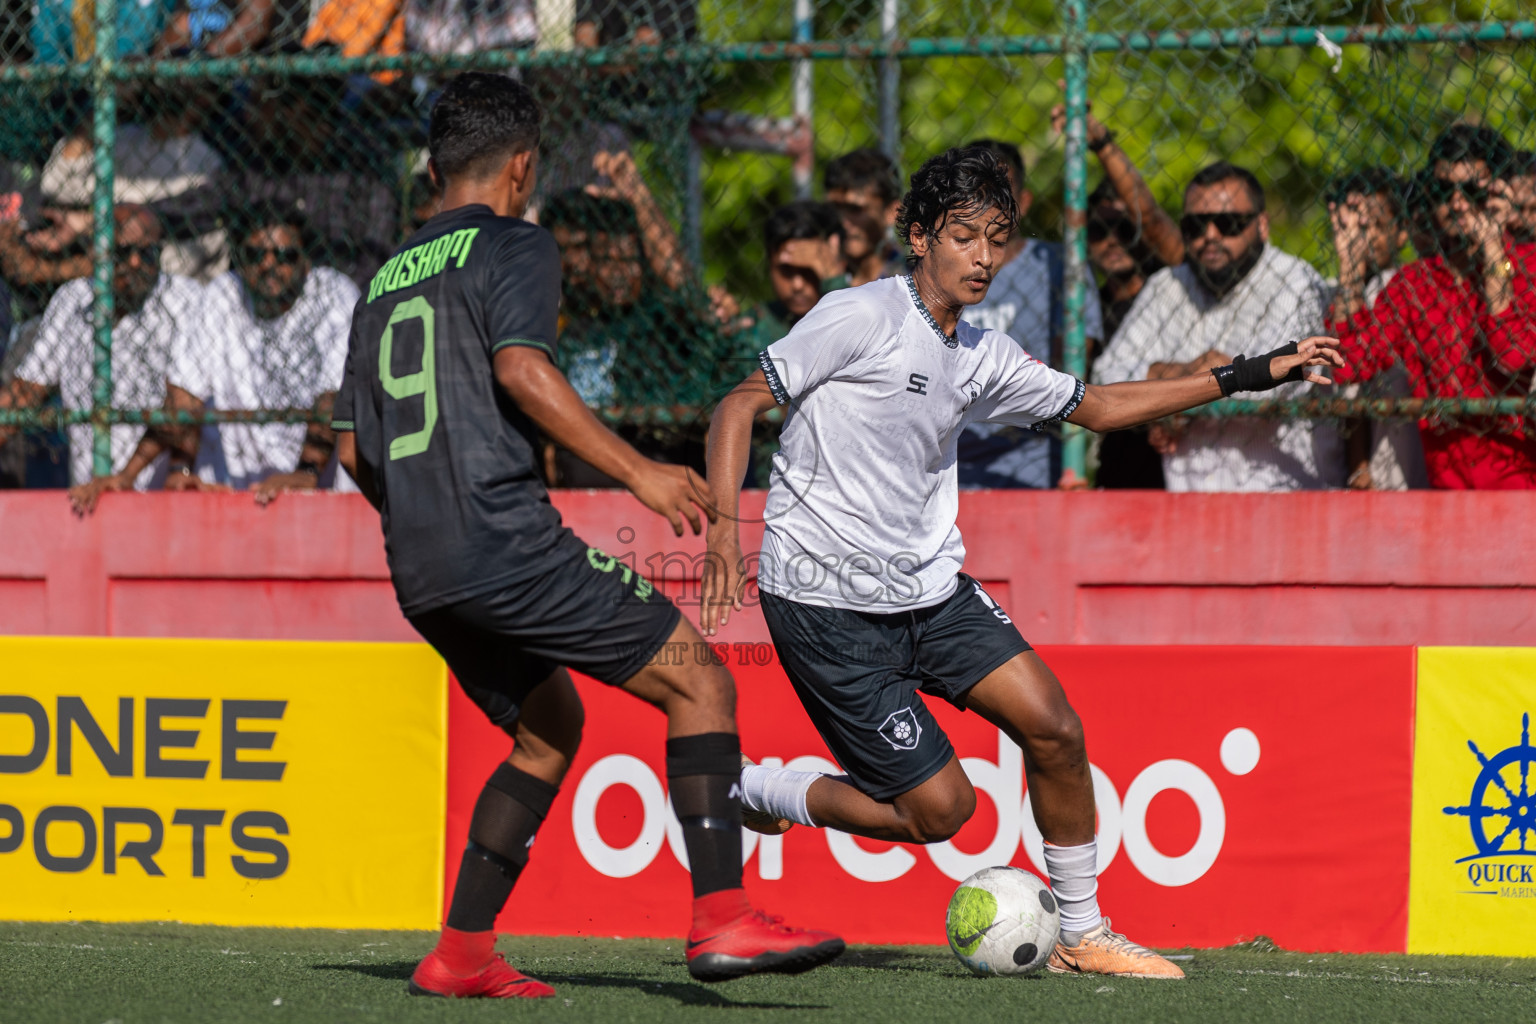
(1003, 921)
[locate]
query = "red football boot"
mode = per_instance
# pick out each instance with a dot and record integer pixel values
(753, 943)
(463, 966)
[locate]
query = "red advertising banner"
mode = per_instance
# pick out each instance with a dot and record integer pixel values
(1242, 792)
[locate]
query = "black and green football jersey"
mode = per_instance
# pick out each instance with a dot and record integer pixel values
(465, 510)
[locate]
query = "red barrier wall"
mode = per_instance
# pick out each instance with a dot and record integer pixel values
(1087, 568)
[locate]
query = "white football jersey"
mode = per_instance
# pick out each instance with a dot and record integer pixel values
(863, 495)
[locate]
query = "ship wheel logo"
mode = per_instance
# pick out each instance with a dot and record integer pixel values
(1496, 807)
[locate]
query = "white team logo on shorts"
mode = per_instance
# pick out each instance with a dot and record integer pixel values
(901, 730)
(987, 600)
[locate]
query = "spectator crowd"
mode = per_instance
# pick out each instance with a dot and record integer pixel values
(250, 213)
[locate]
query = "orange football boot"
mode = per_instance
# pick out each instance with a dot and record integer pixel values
(1103, 951)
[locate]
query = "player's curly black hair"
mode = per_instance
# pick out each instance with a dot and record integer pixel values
(480, 120)
(965, 181)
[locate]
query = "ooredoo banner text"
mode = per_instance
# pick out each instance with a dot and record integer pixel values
(1241, 792)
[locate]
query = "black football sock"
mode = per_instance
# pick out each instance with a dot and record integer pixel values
(508, 814)
(704, 774)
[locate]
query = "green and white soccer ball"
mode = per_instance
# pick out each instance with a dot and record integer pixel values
(1003, 921)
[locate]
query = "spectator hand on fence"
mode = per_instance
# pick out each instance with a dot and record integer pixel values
(266, 491)
(1098, 134)
(83, 497)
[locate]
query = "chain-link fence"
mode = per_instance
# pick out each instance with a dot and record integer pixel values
(265, 158)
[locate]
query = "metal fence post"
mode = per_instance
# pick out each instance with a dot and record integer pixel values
(804, 92)
(104, 139)
(1074, 350)
(890, 83)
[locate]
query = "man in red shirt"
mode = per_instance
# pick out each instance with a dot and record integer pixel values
(1462, 322)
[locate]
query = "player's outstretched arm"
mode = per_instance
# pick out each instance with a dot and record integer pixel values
(542, 392)
(729, 447)
(1117, 406)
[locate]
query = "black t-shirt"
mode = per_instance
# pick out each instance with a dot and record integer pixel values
(456, 462)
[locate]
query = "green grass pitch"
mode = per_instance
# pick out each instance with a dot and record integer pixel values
(148, 973)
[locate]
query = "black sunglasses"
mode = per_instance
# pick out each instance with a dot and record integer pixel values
(284, 256)
(1124, 229)
(1440, 190)
(147, 254)
(1193, 225)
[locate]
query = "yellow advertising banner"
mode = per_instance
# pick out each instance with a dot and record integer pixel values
(1472, 872)
(222, 782)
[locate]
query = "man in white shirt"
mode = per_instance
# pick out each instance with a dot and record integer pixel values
(1026, 303)
(273, 336)
(157, 318)
(281, 328)
(1232, 289)
(859, 574)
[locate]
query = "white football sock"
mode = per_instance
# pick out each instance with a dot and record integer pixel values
(1075, 882)
(777, 791)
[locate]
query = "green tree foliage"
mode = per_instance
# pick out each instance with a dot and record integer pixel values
(1287, 113)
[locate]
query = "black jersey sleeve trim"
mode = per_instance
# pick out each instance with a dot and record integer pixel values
(343, 425)
(1066, 410)
(775, 385)
(509, 342)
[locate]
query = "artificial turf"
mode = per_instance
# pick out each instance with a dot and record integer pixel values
(145, 973)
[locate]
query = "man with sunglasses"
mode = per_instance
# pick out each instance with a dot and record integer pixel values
(274, 336)
(1234, 294)
(158, 316)
(1462, 320)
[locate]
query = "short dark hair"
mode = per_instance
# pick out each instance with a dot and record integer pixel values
(1464, 143)
(1523, 164)
(1007, 152)
(1222, 171)
(576, 210)
(1370, 181)
(479, 121)
(955, 181)
(864, 169)
(804, 218)
(245, 220)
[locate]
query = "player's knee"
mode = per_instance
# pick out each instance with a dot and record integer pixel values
(708, 688)
(938, 818)
(1057, 742)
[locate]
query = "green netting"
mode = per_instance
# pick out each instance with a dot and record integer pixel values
(680, 126)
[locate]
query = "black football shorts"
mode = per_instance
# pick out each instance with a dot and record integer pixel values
(858, 675)
(591, 613)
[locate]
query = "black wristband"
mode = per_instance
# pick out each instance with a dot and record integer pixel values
(1253, 374)
(1103, 140)
(1226, 378)
(308, 467)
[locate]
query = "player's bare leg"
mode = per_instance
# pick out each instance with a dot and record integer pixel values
(507, 816)
(1024, 699)
(728, 938)
(929, 813)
